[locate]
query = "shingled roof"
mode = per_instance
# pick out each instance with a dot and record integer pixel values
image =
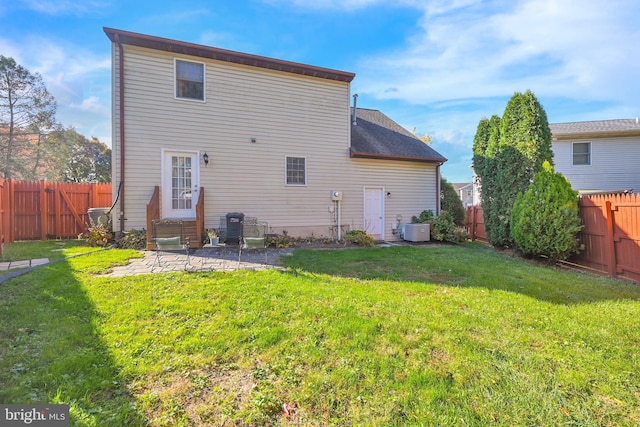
(595, 129)
(175, 46)
(376, 136)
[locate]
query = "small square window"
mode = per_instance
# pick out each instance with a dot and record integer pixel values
(296, 171)
(189, 80)
(581, 153)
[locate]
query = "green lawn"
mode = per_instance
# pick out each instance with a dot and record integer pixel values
(448, 335)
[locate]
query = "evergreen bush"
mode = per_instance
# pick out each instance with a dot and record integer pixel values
(544, 219)
(451, 202)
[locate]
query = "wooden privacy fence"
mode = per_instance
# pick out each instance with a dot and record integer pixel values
(611, 234)
(44, 210)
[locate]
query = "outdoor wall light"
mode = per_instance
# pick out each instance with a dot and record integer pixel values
(254, 139)
(205, 158)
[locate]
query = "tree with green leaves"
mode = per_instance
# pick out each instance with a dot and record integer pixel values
(89, 159)
(27, 113)
(544, 219)
(451, 202)
(485, 164)
(508, 160)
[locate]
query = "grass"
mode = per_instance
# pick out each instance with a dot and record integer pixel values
(51, 249)
(386, 336)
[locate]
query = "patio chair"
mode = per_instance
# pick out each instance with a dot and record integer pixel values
(169, 237)
(254, 238)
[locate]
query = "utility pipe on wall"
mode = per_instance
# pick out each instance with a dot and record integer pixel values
(121, 113)
(338, 221)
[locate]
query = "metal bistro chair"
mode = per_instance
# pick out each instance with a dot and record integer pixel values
(169, 237)
(254, 238)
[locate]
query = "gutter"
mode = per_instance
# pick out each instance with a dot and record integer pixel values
(367, 155)
(121, 130)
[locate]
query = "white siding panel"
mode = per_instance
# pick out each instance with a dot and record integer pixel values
(289, 115)
(614, 164)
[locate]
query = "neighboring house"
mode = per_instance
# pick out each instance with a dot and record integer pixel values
(207, 131)
(465, 191)
(598, 156)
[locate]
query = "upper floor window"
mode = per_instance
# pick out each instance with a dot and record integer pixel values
(581, 153)
(189, 80)
(296, 171)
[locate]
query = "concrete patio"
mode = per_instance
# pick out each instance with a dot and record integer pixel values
(205, 259)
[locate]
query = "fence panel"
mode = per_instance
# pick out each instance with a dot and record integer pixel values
(42, 210)
(611, 233)
(626, 235)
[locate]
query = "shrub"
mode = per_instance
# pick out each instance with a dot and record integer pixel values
(281, 240)
(99, 235)
(133, 239)
(424, 217)
(444, 229)
(451, 203)
(359, 238)
(545, 220)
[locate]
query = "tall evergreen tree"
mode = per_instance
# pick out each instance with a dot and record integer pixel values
(524, 144)
(485, 164)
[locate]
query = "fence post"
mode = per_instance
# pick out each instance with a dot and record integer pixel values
(611, 250)
(43, 209)
(11, 215)
(474, 216)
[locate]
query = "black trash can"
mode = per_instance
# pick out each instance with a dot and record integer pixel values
(234, 227)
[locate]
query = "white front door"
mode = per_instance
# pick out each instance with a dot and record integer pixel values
(180, 186)
(374, 212)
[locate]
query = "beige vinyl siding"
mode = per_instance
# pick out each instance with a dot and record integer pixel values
(412, 186)
(614, 164)
(289, 115)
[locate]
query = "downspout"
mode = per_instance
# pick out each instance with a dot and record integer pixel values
(438, 195)
(121, 113)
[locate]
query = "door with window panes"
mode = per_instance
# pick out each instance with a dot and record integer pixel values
(180, 187)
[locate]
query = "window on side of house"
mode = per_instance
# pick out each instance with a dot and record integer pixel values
(296, 170)
(581, 153)
(189, 80)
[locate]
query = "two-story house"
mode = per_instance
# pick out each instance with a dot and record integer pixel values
(598, 156)
(200, 132)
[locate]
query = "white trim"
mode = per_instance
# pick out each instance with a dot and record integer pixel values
(306, 168)
(166, 210)
(382, 193)
(175, 81)
(590, 154)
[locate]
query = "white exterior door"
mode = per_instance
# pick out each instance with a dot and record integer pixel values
(180, 183)
(374, 211)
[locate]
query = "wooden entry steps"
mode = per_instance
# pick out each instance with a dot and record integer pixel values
(193, 227)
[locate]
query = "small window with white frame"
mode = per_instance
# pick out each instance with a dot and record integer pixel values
(189, 80)
(296, 170)
(581, 153)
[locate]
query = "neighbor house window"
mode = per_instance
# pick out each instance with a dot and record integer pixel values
(189, 80)
(296, 171)
(581, 153)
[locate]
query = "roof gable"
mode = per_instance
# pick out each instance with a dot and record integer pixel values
(377, 136)
(201, 51)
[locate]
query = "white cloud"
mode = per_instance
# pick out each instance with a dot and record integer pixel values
(78, 79)
(554, 47)
(66, 7)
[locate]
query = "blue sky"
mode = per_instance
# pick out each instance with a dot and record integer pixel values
(434, 65)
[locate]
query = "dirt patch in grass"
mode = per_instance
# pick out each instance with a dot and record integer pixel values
(199, 398)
